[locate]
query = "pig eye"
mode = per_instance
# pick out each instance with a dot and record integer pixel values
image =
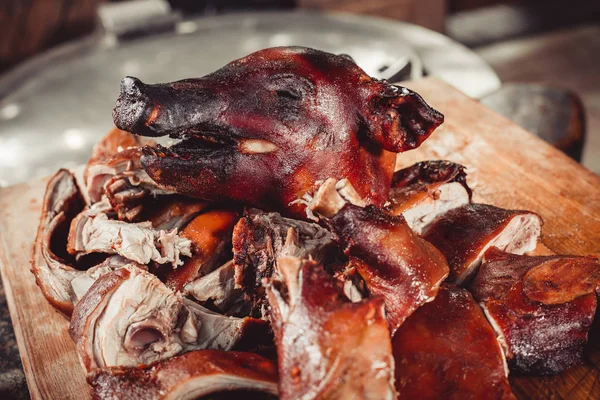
(288, 94)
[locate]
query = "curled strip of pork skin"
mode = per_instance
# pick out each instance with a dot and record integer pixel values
(263, 129)
(394, 261)
(259, 238)
(129, 317)
(55, 270)
(93, 232)
(426, 190)
(464, 234)
(190, 376)
(543, 330)
(327, 346)
(448, 350)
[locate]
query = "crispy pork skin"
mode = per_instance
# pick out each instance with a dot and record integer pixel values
(263, 129)
(92, 231)
(210, 236)
(129, 317)
(464, 234)
(327, 346)
(448, 350)
(259, 238)
(189, 376)
(542, 307)
(394, 261)
(426, 190)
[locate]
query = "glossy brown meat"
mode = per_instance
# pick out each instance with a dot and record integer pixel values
(210, 234)
(189, 376)
(426, 190)
(394, 262)
(327, 346)
(464, 234)
(263, 129)
(448, 350)
(539, 338)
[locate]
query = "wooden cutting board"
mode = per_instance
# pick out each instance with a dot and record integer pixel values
(508, 167)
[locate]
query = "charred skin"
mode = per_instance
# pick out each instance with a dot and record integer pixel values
(263, 129)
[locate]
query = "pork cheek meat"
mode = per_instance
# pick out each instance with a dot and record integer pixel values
(189, 376)
(327, 346)
(448, 350)
(426, 190)
(394, 261)
(464, 234)
(129, 317)
(543, 331)
(263, 129)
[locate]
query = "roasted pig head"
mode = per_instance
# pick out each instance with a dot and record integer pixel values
(194, 375)
(426, 190)
(263, 129)
(448, 350)
(327, 346)
(542, 307)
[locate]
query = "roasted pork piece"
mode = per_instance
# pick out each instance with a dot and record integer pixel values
(259, 238)
(464, 234)
(448, 350)
(114, 171)
(129, 317)
(192, 375)
(542, 307)
(210, 237)
(327, 346)
(426, 190)
(394, 261)
(263, 129)
(57, 273)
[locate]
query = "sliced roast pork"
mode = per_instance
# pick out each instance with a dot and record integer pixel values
(448, 350)
(92, 231)
(464, 234)
(129, 317)
(259, 238)
(542, 307)
(114, 171)
(426, 190)
(327, 346)
(190, 376)
(60, 277)
(394, 261)
(209, 235)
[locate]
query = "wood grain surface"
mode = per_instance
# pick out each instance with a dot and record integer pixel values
(508, 167)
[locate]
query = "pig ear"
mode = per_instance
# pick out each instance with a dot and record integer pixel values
(403, 119)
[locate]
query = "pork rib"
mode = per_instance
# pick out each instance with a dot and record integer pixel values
(542, 307)
(188, 376)
(327, 346)
(464, 234)
(426, 190)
